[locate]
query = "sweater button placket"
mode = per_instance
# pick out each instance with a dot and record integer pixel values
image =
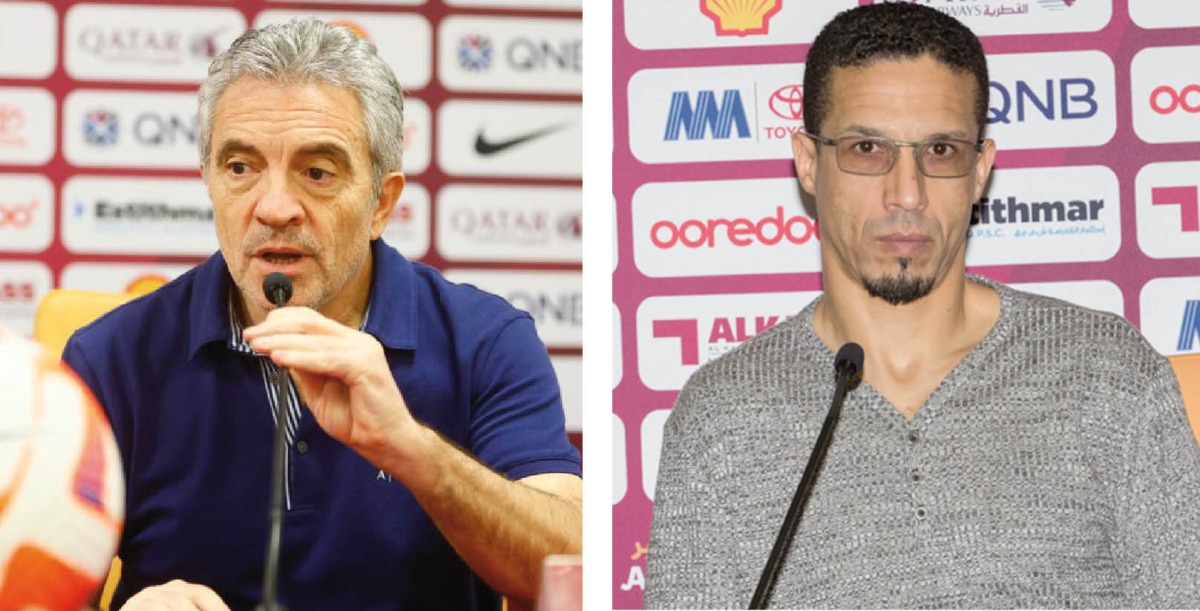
(915, 440)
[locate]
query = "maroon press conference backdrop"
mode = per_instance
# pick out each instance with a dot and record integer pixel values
(99, 181)
(1095, 108)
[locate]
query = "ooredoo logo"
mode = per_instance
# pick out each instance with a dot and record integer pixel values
(1166, 99)
(17, 292)
(17, 215)
(690, 229)
(739, 231)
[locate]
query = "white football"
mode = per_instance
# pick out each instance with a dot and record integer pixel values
(62, 493)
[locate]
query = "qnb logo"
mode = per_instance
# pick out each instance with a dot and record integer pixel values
(1188, 200)
(1165, 100)
(707, 116)
(17, 216)
(722, 335)
(19, 292)
(475, 52)
(1066, 99)
(528, 55)
(769, 231)
(564, 308)
(158, 130)
(100, 127)
(1189, 329)
(740, 17)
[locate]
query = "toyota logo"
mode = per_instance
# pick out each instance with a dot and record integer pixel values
(788, 102)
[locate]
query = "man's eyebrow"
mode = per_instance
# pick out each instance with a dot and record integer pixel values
(954, 134)
(326, 149)
(234, 146)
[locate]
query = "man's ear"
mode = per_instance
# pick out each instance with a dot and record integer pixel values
(804, 154)
(389, 194)
(983, 166)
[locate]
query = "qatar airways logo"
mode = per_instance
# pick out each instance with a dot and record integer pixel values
(677, 334)
(709, 228)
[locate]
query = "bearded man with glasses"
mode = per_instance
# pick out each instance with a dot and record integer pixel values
(1002, 449)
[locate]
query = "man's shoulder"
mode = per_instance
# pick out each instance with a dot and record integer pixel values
(153, 317)
(1063, 321)
(461, 304)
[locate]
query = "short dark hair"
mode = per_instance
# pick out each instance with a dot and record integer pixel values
(893, 30)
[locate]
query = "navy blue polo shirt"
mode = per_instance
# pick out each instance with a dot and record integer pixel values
(193, 417)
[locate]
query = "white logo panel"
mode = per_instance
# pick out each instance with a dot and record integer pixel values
(540, 5)
(29, 35)
(26, 212)
(687, 24)
(403, 40)
(1100, 295)
(715, 113)
(652, 435)
(131, 128)
(410, 224)
(22, 285)
(418, 136)
(529, 139)
(119, 277)
(1000, 17)
(618, 362)
(569, 370)
(1156, 14)
(510, 223)
(620, 469)
(677, 334)
(1166, 99)
(147, 43)
(155, 216)
(1046, 215)
(1048, 100)
(1171, 314)
(511, 55)
(26, 125)
(1168, 209)
(379, 2)
(712, 228)
(553, 299)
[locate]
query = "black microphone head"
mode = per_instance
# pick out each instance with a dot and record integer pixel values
(849, 360)
(278, 288)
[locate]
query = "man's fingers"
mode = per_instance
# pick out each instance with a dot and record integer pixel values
(177, 595)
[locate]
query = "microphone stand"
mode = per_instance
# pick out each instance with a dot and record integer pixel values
(278, 289)
(271, 572)
(847, 363)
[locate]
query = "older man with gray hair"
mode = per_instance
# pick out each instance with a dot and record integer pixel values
(427, 464)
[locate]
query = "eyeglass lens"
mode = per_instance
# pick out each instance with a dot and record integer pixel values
(935, 158)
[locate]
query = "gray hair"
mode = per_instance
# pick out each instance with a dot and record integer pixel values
(306, 51)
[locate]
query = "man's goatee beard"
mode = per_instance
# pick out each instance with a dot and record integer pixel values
(900, 288)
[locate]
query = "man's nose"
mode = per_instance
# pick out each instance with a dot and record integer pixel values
(905, 184)
(278, 206)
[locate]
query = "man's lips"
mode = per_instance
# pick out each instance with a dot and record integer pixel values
(905, 243)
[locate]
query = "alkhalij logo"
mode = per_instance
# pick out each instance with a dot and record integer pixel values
(740, 17)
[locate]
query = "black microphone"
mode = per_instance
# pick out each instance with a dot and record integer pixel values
(847, 366)
(278, 289)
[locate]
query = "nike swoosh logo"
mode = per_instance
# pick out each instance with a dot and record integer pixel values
(485, 147)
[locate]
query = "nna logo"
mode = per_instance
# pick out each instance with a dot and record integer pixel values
(707, 116)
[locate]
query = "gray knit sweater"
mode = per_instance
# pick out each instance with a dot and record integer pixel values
(1054, 467)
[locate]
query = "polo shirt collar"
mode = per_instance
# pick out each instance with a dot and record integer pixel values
(392, 308)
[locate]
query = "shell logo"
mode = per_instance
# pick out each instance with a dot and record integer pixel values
(740, 17)
(353, 26)
(145, 284)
